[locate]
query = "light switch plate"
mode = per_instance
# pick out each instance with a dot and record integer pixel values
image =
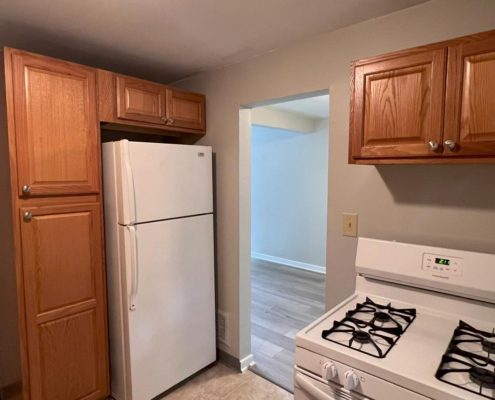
(349, 224)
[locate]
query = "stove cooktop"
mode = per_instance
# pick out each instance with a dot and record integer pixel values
(415, 357)
(371, 328)
(469, 362)
(397, 324)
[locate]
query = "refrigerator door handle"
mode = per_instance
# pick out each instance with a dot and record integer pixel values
(133, 267)
(126, 155)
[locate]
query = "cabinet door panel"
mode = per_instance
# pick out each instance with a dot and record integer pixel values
(398, 106)
(56, 126)
(185, 110)
(63, 276)
(65, 302)
(68, 357)
(470, 103)
(139, 100)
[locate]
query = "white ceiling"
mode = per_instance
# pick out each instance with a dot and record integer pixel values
(165, 40)
(315, 107)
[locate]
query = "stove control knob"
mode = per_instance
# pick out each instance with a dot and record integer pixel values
(351, 380)
(328, 370)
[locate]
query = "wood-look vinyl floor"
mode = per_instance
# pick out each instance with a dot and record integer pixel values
(283, 301)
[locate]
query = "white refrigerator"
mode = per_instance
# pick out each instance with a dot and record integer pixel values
(160, 271)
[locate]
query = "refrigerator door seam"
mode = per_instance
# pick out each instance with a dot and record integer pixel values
(168, 219)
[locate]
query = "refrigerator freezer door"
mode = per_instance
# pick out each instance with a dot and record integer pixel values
(162, 181)
(172, 327)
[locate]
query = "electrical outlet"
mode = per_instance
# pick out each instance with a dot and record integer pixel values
(349, 224)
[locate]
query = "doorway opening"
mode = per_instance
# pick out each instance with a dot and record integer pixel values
(289, 181)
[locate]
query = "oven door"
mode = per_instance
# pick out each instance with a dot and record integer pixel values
(310, 387)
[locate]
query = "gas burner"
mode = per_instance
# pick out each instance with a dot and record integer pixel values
(370, 328)
(381, 316)
(469, 362)
(482, 377)
(361, 336)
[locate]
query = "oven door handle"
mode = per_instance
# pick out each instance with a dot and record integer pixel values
(309, 388)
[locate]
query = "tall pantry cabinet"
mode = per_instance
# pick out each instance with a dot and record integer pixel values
(54, 148)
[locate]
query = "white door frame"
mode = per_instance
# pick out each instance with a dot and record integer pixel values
(245, 355)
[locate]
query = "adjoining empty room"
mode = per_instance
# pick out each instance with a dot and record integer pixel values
(289, 173)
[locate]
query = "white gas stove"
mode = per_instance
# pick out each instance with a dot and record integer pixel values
(419, 326)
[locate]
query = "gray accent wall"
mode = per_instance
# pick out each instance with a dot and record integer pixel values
(441, 205)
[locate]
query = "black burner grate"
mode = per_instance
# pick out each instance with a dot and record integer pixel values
(469, 362)
(371, 328)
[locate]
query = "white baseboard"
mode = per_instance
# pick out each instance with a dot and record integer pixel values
(246, 362)
(234, 362)
(289, 263)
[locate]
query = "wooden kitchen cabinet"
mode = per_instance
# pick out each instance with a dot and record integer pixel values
(63, 277)
(134, 104)
(470, 99)
(56, 127)
(55, 168)
(185, 109)
(140, 100)
(398, 105)
(431, 104)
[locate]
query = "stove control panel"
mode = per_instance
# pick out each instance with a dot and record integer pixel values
(442, 265)
(348, 382)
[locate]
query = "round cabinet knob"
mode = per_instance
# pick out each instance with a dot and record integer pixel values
(171, 121)
(26, 189)
(164, 119)
(328, 370)
(351, 380)
(433, 145)
(27, 216)
(450, 144)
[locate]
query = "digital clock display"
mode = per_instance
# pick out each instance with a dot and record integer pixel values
(442, 261)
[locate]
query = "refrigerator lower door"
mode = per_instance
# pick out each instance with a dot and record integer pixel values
(171, 303)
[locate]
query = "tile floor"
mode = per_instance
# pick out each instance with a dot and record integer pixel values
(220, 382)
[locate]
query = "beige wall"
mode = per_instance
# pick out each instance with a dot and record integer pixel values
(452, 206)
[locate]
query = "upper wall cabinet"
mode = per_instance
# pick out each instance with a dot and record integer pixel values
(470, 100)
(55, 109)
(398, 105)
(139, 100)
(126, 101)
(185, 109)
(431, 104)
